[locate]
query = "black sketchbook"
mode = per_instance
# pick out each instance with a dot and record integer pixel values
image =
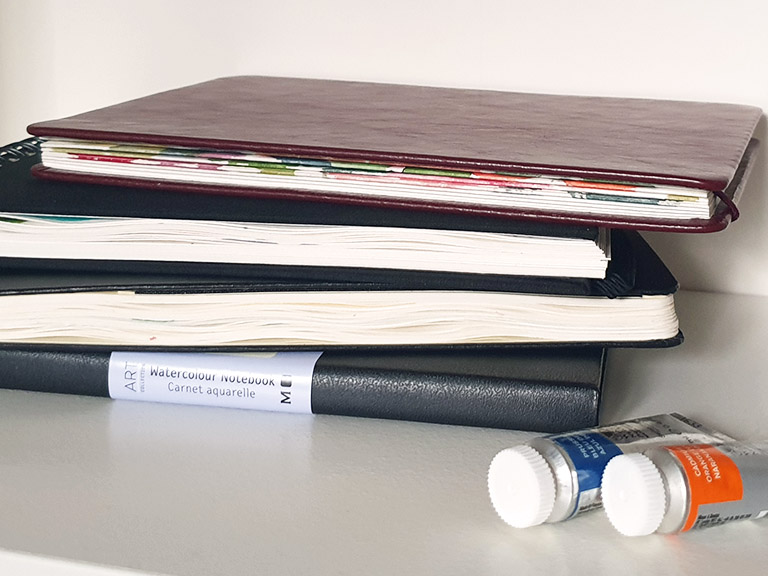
(538, 389)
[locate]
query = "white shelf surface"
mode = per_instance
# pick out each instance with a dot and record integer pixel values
(182, 490)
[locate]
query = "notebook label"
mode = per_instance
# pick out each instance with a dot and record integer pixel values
(279, 381)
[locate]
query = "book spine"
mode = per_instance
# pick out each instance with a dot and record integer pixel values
(457, 399)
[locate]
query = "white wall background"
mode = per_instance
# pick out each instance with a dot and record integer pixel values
(61, 57)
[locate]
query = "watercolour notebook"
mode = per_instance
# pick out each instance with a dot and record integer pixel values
(613, 162)
(539, 389)
(55, 307)
(78, 226)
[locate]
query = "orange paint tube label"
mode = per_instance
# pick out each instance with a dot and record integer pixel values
(712, 477)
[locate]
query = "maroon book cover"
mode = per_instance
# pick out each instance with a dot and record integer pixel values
(706, 146)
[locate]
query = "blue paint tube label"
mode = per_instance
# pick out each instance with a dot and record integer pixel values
(589, 452)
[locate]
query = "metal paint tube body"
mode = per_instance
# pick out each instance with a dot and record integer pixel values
(576, 461)
(700, 486)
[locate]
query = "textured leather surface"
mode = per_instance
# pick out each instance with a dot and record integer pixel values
(689, 142)
(683, 143)
(543, 390)
(55, 371)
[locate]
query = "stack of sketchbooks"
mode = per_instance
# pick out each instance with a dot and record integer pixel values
(443, 255)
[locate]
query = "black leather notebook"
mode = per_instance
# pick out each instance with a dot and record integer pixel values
(540, 389)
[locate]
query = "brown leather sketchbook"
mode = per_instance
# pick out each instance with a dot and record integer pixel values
(618, 162)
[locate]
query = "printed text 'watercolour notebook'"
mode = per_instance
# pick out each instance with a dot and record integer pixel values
(616, 162)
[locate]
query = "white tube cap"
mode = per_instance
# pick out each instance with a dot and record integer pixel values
(633, 494)
(521, 486)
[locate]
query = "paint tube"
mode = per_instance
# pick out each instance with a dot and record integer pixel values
(674, 489)
(553, 478)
